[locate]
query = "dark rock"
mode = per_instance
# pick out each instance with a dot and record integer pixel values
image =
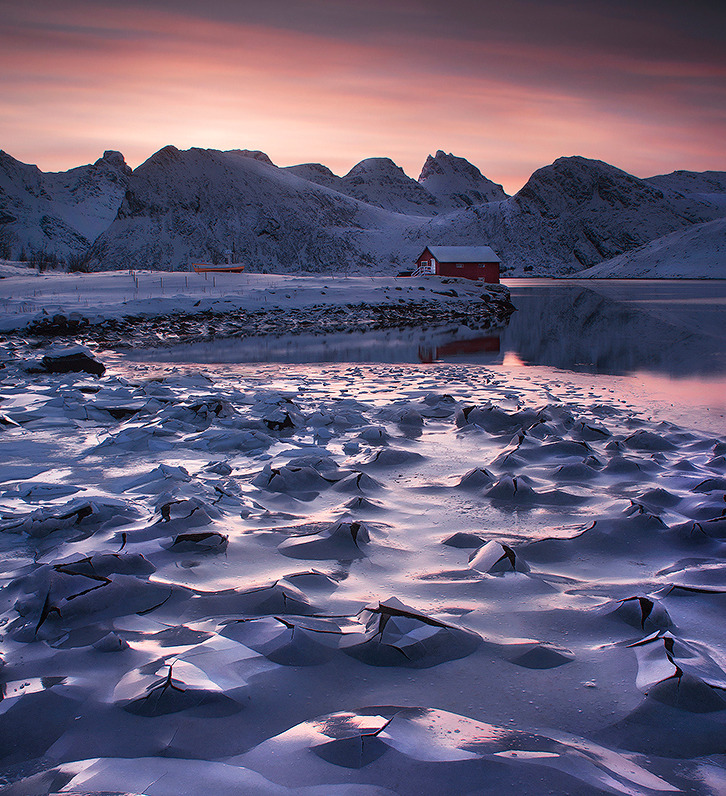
(73, 359)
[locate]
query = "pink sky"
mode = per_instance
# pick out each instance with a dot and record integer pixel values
(317, 81)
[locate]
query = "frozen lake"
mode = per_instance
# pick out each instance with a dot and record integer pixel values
(484, 567)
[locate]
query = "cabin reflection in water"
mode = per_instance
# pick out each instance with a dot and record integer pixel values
(489, 344)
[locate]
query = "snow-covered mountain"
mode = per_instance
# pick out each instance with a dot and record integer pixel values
(446, 183)
(457, 183)
(200, 205)
(585, 211)
(60, 212)
(709, 186)
(319, 174)
(380, 182)
(700, 182)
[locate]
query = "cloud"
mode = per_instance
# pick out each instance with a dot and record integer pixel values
(510, 85)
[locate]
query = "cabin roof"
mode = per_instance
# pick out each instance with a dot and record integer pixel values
(464, 254)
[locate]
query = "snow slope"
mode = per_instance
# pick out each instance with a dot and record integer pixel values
(697, 252)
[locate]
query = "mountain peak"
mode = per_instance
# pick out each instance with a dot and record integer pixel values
(442, 163)
(456, 182)
(570, 181)
(317, 173)
(380, 182)
(116, 160)
(371, 166)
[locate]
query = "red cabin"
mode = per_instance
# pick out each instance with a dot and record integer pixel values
(469, 262)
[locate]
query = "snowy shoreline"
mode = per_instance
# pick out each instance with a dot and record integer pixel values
(132, 309)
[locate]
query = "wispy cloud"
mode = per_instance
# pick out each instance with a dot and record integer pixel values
(336, 85)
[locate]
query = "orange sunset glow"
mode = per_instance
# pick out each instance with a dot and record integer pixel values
(324, 81)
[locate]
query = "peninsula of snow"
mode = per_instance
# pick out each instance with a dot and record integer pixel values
(122, 309)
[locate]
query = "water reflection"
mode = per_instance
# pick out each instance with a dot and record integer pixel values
(619, 328)
(432, 344)
(487, 344)
(608, 328)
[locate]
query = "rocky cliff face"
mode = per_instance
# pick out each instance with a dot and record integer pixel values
(205, 205)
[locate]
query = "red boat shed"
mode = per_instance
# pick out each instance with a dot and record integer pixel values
(469, 262)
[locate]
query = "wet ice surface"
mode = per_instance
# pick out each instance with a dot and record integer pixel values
(358, 579)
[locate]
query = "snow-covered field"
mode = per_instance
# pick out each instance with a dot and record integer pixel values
(358, 579)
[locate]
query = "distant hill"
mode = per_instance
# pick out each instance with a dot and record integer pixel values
(202, 205)
(701, 182)
(698, 252)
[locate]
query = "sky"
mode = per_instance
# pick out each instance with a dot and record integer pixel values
(510, 85)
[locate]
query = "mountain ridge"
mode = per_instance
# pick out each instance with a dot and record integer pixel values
(181, 206)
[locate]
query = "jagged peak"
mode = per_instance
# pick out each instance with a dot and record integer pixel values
(443, 162)
(115, 159)
(457, 182)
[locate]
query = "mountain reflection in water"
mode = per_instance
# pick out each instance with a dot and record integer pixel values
(672, 328)
(669, 328)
